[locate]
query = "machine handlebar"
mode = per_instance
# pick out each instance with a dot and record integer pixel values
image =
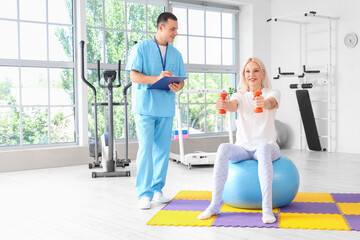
(82, 44)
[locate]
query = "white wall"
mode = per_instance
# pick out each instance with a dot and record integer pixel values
(284, 45)
(43, 158)
(254, 30)
(30, 159)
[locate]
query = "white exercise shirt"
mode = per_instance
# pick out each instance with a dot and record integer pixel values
(255, 128)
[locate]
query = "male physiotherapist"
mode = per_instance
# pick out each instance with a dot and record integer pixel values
(154, 109)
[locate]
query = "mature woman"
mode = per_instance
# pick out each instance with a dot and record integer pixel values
(255, 137)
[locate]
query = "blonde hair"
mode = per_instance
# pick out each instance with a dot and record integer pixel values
(265, 83)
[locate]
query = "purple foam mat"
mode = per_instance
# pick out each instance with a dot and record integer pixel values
(187, 205)
(304, 207)
(346, 197)
(354, 221)
(243, 219)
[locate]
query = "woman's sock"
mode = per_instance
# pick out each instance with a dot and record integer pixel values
(268, 218)
(207, 214)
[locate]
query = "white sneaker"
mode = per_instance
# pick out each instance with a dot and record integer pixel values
(144, 203)
(160, 198)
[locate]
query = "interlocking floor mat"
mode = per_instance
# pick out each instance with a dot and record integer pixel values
(331, 211)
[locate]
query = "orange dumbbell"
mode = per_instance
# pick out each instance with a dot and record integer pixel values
(256, 94)
(223, 96)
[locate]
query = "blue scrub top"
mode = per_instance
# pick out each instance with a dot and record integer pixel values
(145, 58)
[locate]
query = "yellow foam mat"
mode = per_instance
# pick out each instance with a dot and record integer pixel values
(349, 208)
(180, 218)
(314, 197)
(194, 195)
(312, 221)
(227, 208)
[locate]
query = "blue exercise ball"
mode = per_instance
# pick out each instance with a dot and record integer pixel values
(242, 188)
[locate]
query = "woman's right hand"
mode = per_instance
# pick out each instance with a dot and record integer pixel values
(221, 104)
(164, 74)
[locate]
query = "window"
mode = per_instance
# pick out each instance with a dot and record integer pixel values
(37, 64)
(206, 39)
(112, 28)
(37, 99)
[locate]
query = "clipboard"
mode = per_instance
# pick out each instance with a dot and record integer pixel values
(163, 83)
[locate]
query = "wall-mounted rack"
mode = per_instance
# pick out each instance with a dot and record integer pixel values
(310, 77)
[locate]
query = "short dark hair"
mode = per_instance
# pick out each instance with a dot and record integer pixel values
(163, 17)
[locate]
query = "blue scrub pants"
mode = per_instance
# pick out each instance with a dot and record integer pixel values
(154, 138)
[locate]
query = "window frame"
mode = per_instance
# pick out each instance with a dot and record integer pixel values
(47, 64)
(104, 28)
(128, 46)
(209, 68)
(79, 27)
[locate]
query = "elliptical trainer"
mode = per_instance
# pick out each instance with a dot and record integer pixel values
(108, 153)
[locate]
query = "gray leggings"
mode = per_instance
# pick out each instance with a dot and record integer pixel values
(265, 154)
